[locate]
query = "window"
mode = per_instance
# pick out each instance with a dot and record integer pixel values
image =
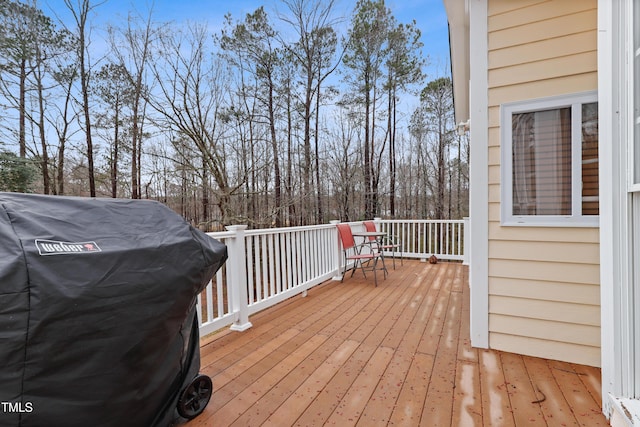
(550, 161)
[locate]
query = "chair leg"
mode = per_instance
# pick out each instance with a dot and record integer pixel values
(375, 276)
(344, 269)
(384, 266)
(364, 273)
(357, 263)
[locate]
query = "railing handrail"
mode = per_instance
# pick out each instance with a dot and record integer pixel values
(220, 235)
(424, 221)
(263, 231)
(266, 266)
(285, 230)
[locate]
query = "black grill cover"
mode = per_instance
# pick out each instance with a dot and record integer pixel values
(97, 302)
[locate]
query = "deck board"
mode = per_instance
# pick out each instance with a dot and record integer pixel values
(496, 407)
(521, 391)
(397, 354)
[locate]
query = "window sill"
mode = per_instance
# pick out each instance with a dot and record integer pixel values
(556, 222)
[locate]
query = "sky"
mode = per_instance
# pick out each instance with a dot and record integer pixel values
(429, 15)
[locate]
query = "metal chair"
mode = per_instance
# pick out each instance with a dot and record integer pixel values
(353, 252)
(386, 243)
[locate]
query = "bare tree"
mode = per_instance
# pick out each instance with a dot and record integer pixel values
(191, 85)
(243, 130)
(62, 118)
(365, 54)
(404, 68)
(113, 86)
(314, 53)
(254, 40)
(133, 47)
(432, 125)
(80, 12)
(18, 43)
(343, 171)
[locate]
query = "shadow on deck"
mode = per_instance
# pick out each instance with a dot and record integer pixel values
(399, 354)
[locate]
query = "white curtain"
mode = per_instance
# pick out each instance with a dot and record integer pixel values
(550, 163)
(542, 163)
(522, 139)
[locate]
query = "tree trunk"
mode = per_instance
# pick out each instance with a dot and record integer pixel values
(87, 119)
(43, 140)
(116, 149)
(276, 159)
(84, 82)
(367, 155)
(320, 214)
(441, 172)
(205, 194)
(23, 125)
(391, 126)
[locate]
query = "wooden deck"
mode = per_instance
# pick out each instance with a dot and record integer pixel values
(399, 354)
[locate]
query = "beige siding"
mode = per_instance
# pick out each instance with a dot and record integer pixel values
(546, 330)
(533, 31)
(545, 271)
(548, 349)
(511, 13)
(543, 282)
(544, 88)
(544, 49)
(576, 293)
(581, 63)
(537, 251)
(529, 234)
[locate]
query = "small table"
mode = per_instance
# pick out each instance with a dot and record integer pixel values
(367, 235)
(377, 234)
(377, 238)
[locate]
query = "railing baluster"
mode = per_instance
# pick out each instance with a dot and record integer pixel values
(209, 293)
(271, 259)
(289, 255)
(219, 298)
(251, 268)
(447, 237)
(314, 253)
(299, 257)
(307, 255)
(265, 267)
(257, 276)
(199, 309)
(429, 238)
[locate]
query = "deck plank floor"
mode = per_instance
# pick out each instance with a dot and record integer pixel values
(398, 354)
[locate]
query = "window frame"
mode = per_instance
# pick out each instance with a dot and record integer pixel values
(576, 219)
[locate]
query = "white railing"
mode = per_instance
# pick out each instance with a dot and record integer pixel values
(268, 266)
(423, 238)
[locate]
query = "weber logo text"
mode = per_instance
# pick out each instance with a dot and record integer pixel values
(52, 247)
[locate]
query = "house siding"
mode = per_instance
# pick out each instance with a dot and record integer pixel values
(544, 294)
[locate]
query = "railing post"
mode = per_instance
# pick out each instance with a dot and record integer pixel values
(238, 265)
(338, 252)
(466, 243)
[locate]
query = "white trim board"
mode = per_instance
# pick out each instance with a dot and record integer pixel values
(479, 174)
(616, 287)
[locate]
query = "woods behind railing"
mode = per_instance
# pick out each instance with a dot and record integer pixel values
(268, 266)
